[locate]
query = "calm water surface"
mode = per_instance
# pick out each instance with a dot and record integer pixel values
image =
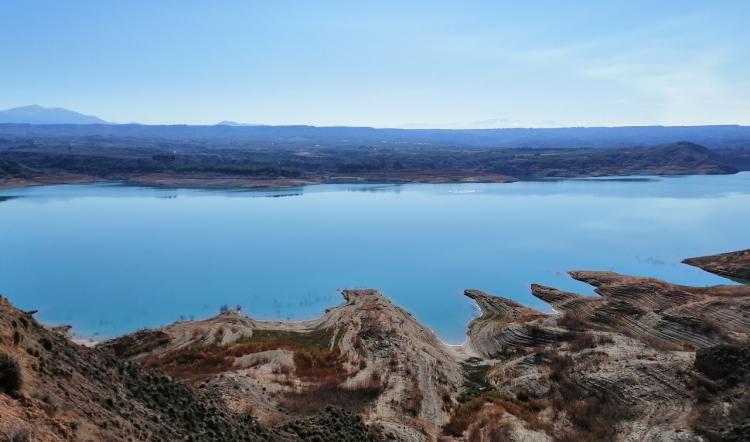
(110, 259)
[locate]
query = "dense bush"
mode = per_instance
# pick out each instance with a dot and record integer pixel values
(10, 374)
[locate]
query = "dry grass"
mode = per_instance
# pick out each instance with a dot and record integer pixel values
(605, 340)
(582, 341)
(412, 403)
(282, 369)
(17, 434)
(571, 322)
(558, 366)
(191, 363)
(593, 360)
(311, 355)
(246, 348)
(491, 427)
(495, 404)
(393, 362)
(313, 340)
(140, 342)
(353, 398)
(319, 366)
(585, 415)
(464, 415)
(593, 415)
(358, 344)
(445, 396)
(661, 344)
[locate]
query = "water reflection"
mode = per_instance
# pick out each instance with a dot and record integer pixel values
(111, 258)
(634, 179)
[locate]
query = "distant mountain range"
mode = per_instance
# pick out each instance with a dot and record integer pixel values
(37, 121)
(35, 114)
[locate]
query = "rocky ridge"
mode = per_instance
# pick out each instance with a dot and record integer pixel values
(732, 265)
(624, 365)
(54, 390)
(368, 356)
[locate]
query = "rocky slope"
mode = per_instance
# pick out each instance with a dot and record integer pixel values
(53, 390)
(367, 355)
(733, 264)
(623, 365)
(643, 360)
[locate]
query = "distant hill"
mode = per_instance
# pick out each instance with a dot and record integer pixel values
(35, 114)
(234, 123)
(309, 136)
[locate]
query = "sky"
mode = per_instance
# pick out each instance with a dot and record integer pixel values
(449, 64)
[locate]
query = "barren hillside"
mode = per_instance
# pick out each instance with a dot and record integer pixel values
(53, 390)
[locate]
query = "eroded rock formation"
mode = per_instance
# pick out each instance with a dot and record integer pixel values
(732, 264)
(367, 355)
(643, 360)
(54, 390)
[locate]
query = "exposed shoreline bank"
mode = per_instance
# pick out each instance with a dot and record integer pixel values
(233, 183)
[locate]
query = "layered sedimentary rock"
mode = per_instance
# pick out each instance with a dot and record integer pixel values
(505, 325)
(651, 309)
(367, 355)
(732, 264)
(618, 366)
(53, 390)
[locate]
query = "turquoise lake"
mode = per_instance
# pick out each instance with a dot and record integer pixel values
(110, 259)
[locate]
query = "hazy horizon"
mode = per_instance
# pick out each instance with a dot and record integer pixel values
(389, 65)
(244, 124)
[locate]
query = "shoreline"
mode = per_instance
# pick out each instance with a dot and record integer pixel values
(233, 183)
(462, 347)
(95, 339)
(224, 182)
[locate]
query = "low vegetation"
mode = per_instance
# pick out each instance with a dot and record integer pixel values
(320, 339)
(353, 397)
(475, 379)
(17, 434)
(581, 341)
(126, 157)
(412, 402)
(10, 374)
(494, 402)
(721, 390)
(195, 363)
(590, 415)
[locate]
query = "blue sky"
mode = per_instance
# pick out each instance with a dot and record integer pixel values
(385, 64)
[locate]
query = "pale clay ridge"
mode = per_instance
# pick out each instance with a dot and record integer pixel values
(403, 352)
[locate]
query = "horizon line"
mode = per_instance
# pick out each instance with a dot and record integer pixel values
(343, 126)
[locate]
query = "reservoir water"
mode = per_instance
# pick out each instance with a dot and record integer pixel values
(110, 259)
